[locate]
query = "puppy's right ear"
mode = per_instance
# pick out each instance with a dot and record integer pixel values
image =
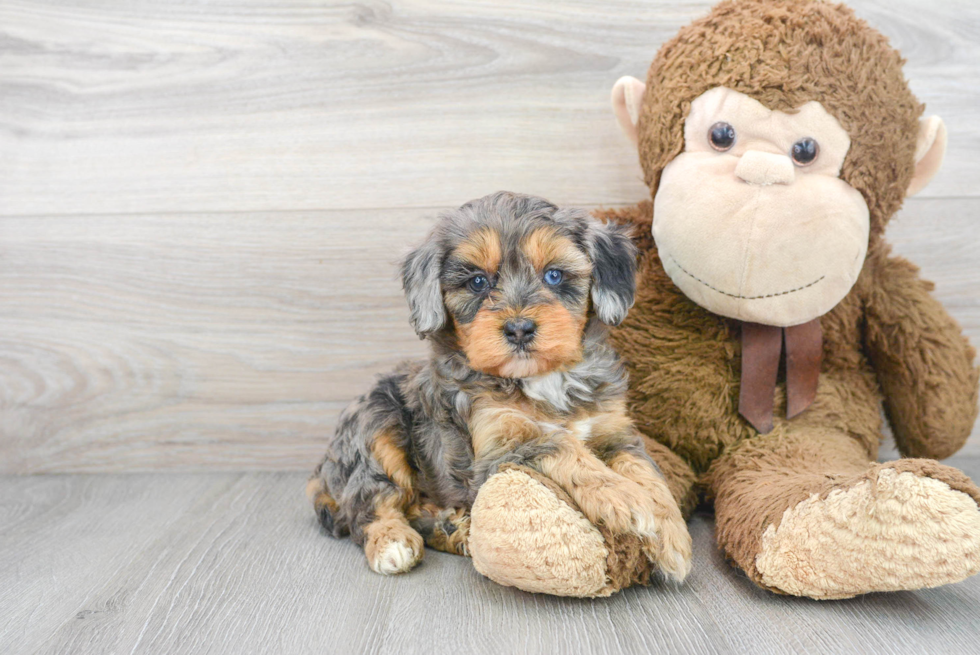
(420, 280)
(613, 258)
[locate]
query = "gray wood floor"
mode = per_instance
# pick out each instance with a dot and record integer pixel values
(235, 563)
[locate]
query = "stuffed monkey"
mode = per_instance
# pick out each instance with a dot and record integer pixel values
(772, 324)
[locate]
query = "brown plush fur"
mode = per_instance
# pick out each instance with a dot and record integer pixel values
(888, 342)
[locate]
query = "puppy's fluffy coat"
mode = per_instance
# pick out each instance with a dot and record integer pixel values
(514, 296)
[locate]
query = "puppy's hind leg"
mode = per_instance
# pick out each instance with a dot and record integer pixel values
(363, 488)
(391, 545)
(447, 530)
(324, 505)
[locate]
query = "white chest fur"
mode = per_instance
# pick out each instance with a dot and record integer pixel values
(554, 389)
(558, 390)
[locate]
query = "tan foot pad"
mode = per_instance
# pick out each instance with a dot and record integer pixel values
(522, 534)
(895, 531)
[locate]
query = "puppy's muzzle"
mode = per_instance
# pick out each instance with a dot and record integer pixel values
(519, 331)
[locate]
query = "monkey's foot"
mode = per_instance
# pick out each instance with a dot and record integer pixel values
(908, 524)
(526, 532)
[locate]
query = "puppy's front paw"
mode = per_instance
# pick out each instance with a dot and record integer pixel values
(667, 543)
(627, 507)
(630, 509)
(670, 548)
(392, 551)
(619, 505)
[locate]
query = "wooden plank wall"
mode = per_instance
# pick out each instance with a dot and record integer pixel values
(201, 204)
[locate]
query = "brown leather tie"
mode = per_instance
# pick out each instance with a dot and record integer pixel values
(761, 348)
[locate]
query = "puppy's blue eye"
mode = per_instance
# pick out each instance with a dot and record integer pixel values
(552, 276)
(478, 283)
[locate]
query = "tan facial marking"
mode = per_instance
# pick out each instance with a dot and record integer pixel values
(483, 342)
(557, 342)
(545, 247)
(482, 249)
(558, 338)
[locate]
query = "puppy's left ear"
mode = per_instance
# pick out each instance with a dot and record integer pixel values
(420, 280)
(613, 270)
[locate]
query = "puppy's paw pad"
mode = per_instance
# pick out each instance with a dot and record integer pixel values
(395, 557)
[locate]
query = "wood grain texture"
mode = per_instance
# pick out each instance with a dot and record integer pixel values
(233, 341)
(62, 536)
(235, 563)
(152, 106)
(141, 330)
(131, 343)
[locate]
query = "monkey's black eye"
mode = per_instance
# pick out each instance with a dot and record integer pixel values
(552, 277)
(478, 283)
(804, 151)
(721, 136)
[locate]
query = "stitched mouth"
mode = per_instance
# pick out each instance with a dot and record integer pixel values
(735, 295)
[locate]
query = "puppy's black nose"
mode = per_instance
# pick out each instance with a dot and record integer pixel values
(519, 331)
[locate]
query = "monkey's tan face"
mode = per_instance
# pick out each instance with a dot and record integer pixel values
(752, 220)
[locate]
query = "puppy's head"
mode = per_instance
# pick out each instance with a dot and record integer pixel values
(514, 279)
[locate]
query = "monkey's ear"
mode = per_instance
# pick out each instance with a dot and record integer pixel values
(930, 146)
(613, 258)
(627, 98)
(420, 280)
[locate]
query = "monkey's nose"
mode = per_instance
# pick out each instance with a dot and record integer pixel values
(519, 331)
(765, 168)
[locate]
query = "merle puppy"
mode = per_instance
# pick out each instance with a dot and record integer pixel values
(514, 296)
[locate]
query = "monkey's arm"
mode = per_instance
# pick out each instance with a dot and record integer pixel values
(923, 362)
